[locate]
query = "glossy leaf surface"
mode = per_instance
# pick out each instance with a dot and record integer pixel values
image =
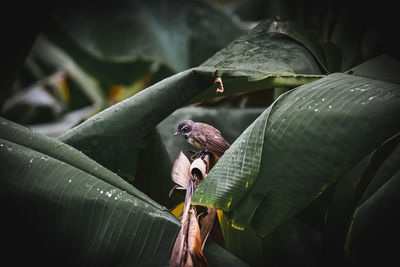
(100, 218)
(258, 60)
(298, 147)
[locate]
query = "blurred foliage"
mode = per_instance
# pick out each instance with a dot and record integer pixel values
(107, 61)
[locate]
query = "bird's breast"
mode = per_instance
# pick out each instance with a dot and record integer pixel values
(193, 142)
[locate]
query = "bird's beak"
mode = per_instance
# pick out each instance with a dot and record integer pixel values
(176, 133)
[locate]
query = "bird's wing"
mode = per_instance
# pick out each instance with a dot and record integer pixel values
(206, 128)
(216, 144)
(201, 139)
(211, 139)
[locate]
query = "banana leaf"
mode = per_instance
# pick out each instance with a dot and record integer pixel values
(61, 200)
(384, 68)
(375, 225)
(256, 61)
(298, 147)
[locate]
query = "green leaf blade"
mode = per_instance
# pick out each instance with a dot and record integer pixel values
(98, 223)
(109, 133)
(313, 134)
(263, 52)
(375, 225)
(52, 148)
(277, 61)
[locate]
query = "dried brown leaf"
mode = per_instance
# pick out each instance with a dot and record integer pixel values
(206, 222)
(195, 251)
(181, 170)
(220, 88)
(199, 167)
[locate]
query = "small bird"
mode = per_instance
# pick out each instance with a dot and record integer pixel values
(203, 136)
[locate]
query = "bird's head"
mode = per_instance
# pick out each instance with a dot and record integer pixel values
(184, 128)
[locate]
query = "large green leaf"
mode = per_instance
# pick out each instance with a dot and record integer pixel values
(76, 206)
(307, 38)
(293, 244)
(263, 52)
(267, 57)
(277, 61)
(106, 136)
(386, 171)
(388, 69)
(338, 215)
(374, 229)
(338, 211)
(156, 182)
(217, 256)
(298, 147)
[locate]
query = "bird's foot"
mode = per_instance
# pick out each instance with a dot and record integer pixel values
(200, 154)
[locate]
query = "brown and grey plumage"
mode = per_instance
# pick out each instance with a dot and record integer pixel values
(203, 136)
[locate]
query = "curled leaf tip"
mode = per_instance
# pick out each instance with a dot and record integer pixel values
(220, 88)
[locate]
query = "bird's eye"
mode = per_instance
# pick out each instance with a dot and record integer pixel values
(186, 129)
